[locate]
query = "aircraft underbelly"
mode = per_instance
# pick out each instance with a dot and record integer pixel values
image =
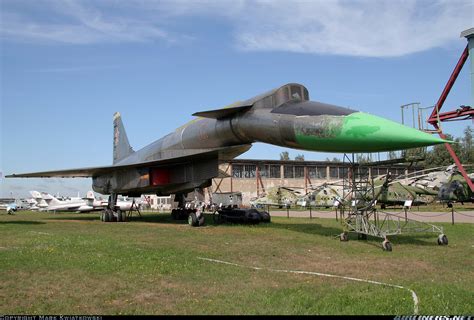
(156, 179)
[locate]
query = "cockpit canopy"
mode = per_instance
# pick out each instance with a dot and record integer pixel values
(293, 99)
(277, 97)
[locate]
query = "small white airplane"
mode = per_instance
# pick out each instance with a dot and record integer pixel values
(127, 204)
(47, 202)
(38, 203)
(9, 207)
(17, 204)
(123, 204)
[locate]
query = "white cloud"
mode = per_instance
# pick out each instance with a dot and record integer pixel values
(73, 22)
(358, 28)
(370, 28)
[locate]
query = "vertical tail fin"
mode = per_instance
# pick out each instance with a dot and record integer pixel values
(122, 147)
(90, 195)
(51, 200)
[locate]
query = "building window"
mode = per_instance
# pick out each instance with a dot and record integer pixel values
(317, 172)
(288, 172)
(237, 171)
(313, 172)
(299, 172)
(383, 171)
(333, 173)
(250, 170)
(344, 172)
(363, 171)
(244, 171)
(400, 172)
(322, 172)
(275, 171)
(263, 170)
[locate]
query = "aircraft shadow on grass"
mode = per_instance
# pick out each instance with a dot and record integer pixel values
(425, 239)
(308, 228)
(22, 222)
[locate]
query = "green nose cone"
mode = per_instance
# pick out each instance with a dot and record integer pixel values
(363, 132)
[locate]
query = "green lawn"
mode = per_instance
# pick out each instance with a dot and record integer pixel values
(73, 263)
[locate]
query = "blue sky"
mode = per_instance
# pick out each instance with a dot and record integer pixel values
(67, 66)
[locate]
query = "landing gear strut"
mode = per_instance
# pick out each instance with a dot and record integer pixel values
(112, 213)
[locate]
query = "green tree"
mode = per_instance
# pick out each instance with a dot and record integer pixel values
(285, 156)
(467, 153)
(332, 160)
(392, 155)
(414, 154)
(361, 158)
(439, 155)
(299, 157)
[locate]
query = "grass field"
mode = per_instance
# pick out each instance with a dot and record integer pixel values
(75, 264)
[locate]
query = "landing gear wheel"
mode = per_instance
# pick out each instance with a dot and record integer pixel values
(343, 237)
(119, 215)
(192, 220)
(201, 220)
(108, 216)
(442, 240)
(173, 214)
(124, 216)
(110, 213)
(386, 245)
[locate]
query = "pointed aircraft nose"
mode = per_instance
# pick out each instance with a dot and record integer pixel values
(359, 132)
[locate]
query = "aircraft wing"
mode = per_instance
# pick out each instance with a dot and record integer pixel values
(224, 153)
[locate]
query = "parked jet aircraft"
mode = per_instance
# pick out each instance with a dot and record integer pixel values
(39, 203)
(187, 159)
(47, 202)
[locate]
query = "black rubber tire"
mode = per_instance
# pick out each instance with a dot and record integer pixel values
(201, 221)
(387, 246)
(173, 214)
(123, 216)
(110, 215)
(107, 216)
(192, 220)
(119, 215)
(343, 237)
(442, 240)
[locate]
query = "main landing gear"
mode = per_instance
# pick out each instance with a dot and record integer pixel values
(112, 213)
(188, 211)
